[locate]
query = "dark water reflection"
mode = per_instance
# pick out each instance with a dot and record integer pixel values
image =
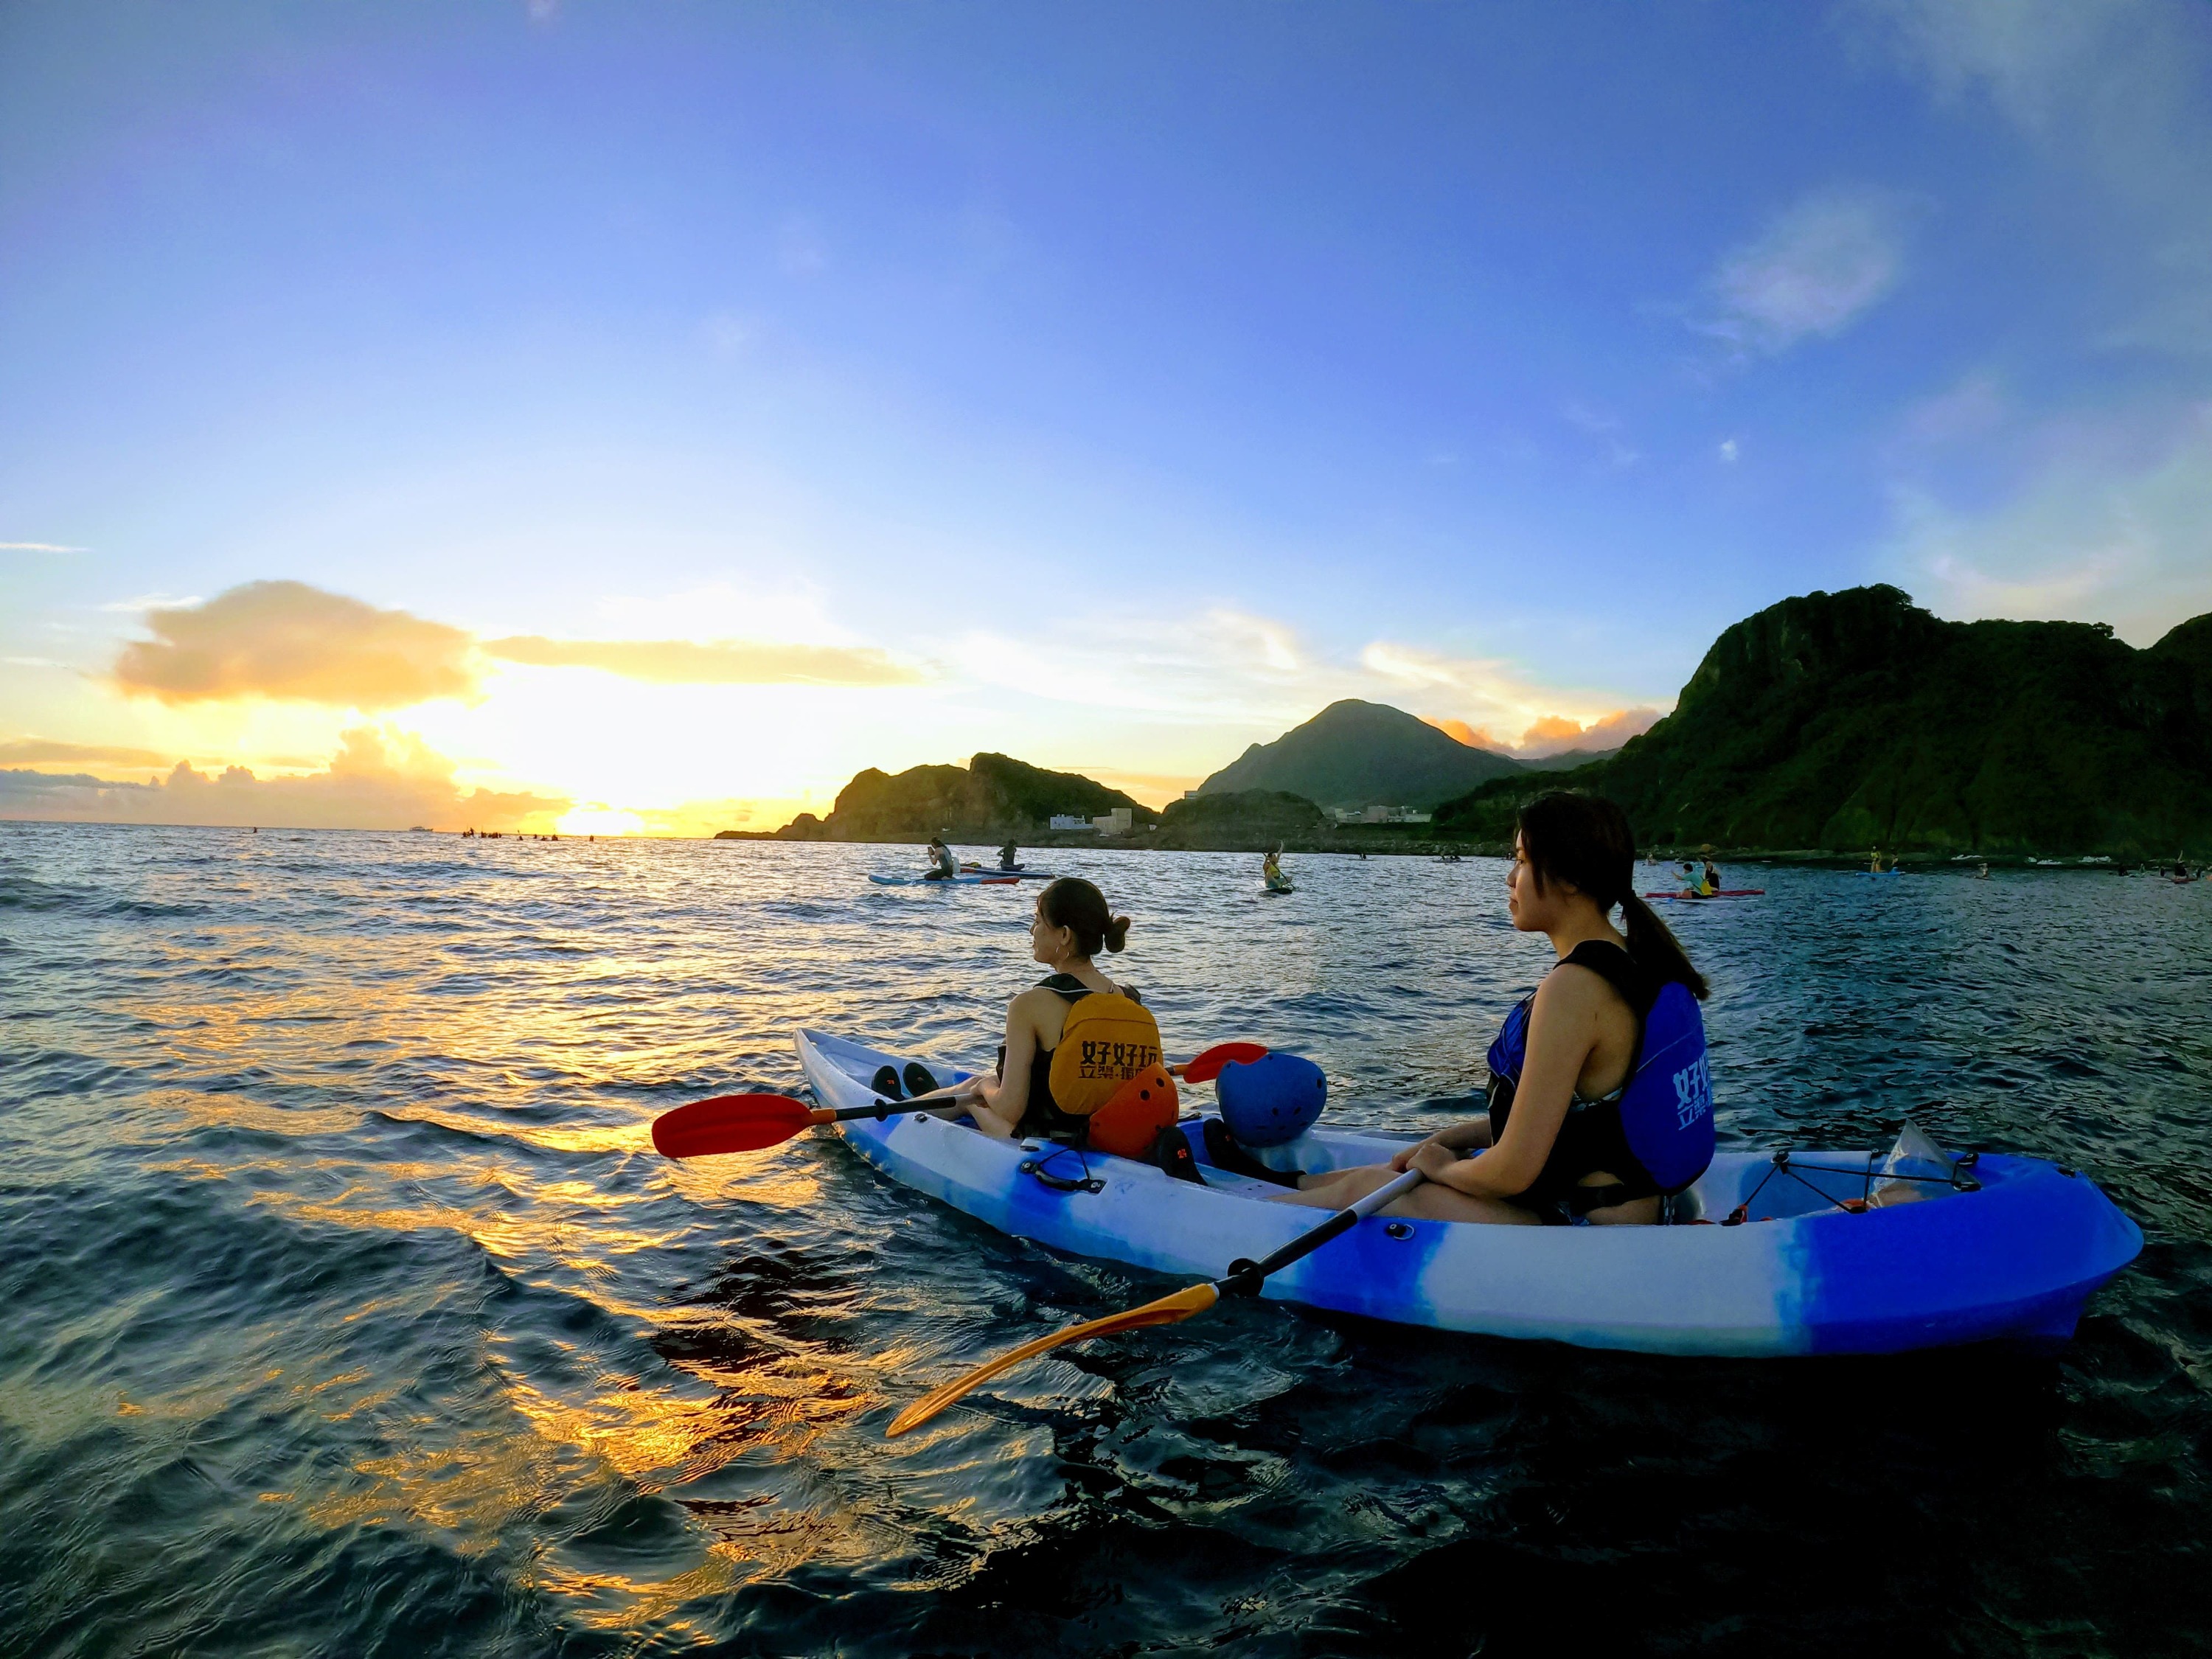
(347, 1310)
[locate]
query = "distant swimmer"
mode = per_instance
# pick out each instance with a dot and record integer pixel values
(942, 865)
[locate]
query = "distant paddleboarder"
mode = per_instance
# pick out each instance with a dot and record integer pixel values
(1006, 857)
(1271, 871)
(942, 866)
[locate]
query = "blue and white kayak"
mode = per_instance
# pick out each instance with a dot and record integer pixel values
(2015, 1259)
(884, 879)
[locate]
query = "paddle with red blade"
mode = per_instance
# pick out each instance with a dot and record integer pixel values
(746, 1123)
(1206, 1065)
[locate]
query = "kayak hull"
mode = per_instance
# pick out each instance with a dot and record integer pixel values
(1725, 892)
(882, 880)
(2016, 1260)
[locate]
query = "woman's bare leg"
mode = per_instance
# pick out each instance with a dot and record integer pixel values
(1426, 1202)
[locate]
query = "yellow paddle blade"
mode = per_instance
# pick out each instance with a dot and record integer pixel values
(1167, 1311)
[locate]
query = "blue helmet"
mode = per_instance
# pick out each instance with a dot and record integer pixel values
(1273, 1099)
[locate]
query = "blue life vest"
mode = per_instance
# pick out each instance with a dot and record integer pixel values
(1660, 1120)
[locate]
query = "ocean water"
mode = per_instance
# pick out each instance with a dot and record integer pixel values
(346, 1309)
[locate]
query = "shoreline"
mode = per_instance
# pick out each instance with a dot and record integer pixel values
(1404, 845)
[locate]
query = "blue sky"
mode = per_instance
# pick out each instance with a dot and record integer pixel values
(1138, 378)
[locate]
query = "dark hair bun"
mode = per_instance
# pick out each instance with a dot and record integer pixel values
(1073, 903)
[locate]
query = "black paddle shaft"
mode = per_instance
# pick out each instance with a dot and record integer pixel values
(1243, 1278)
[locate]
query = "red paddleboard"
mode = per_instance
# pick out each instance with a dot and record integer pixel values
(1725, 892)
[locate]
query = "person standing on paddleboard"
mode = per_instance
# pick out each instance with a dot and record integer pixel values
(1595, 1111)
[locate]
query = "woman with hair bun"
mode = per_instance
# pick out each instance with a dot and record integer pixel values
(1072, 925)
(1596, 1112)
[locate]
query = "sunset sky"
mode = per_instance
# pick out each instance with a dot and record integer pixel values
(641, 416)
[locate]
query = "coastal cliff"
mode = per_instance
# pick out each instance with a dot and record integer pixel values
(992, 797)
(1840, 721)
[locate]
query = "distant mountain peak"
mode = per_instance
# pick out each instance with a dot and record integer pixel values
(1356, 753)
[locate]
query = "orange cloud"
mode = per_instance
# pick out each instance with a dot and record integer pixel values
(1551, 734)
(376, 780)
(35, 751)
(1555, 733)
(728, 662)
(1474, 736)
(1551, 728)
(286, 640)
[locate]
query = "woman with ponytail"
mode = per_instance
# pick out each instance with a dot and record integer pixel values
(1553, 1149)
(1073, 924)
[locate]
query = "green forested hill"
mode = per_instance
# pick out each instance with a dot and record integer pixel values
(1241, 819)
(993, 795)
(1840, 721)
(1360, 754)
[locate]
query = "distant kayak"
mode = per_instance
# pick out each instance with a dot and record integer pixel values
(1881, 872)
(883, 880)
(1725, 892)
(1271, 887)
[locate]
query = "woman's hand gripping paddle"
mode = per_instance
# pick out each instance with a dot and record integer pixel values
(746, 1123)
(1243, 1279)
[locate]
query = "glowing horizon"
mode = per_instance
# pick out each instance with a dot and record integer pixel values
(710, 406)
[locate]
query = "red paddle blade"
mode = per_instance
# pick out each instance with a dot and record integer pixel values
(729, 1123)
(1208, 1064)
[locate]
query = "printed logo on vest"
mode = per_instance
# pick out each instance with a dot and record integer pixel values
(1694, 1093)
(1116, 1061)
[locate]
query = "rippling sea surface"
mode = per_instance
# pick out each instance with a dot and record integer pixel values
(345, 1308)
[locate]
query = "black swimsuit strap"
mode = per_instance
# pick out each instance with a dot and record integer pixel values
(1612, 964)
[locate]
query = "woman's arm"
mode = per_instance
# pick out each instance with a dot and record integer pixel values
(1563, 1029)
(1000, 1103)
(1473, 1135)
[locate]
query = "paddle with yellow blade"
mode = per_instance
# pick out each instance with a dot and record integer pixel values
(747, 1123)
(1243, 1279)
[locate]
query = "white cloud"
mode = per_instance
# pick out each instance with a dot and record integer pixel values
(2032, 58)
(1973, 407)
(1729, 451)
(2088, 540)
(799, 249)
(1606, 430)
(1478, 699)
(1813, 271)
(2111, 90)
(729, 334)
(39, 546)
(132, 606)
